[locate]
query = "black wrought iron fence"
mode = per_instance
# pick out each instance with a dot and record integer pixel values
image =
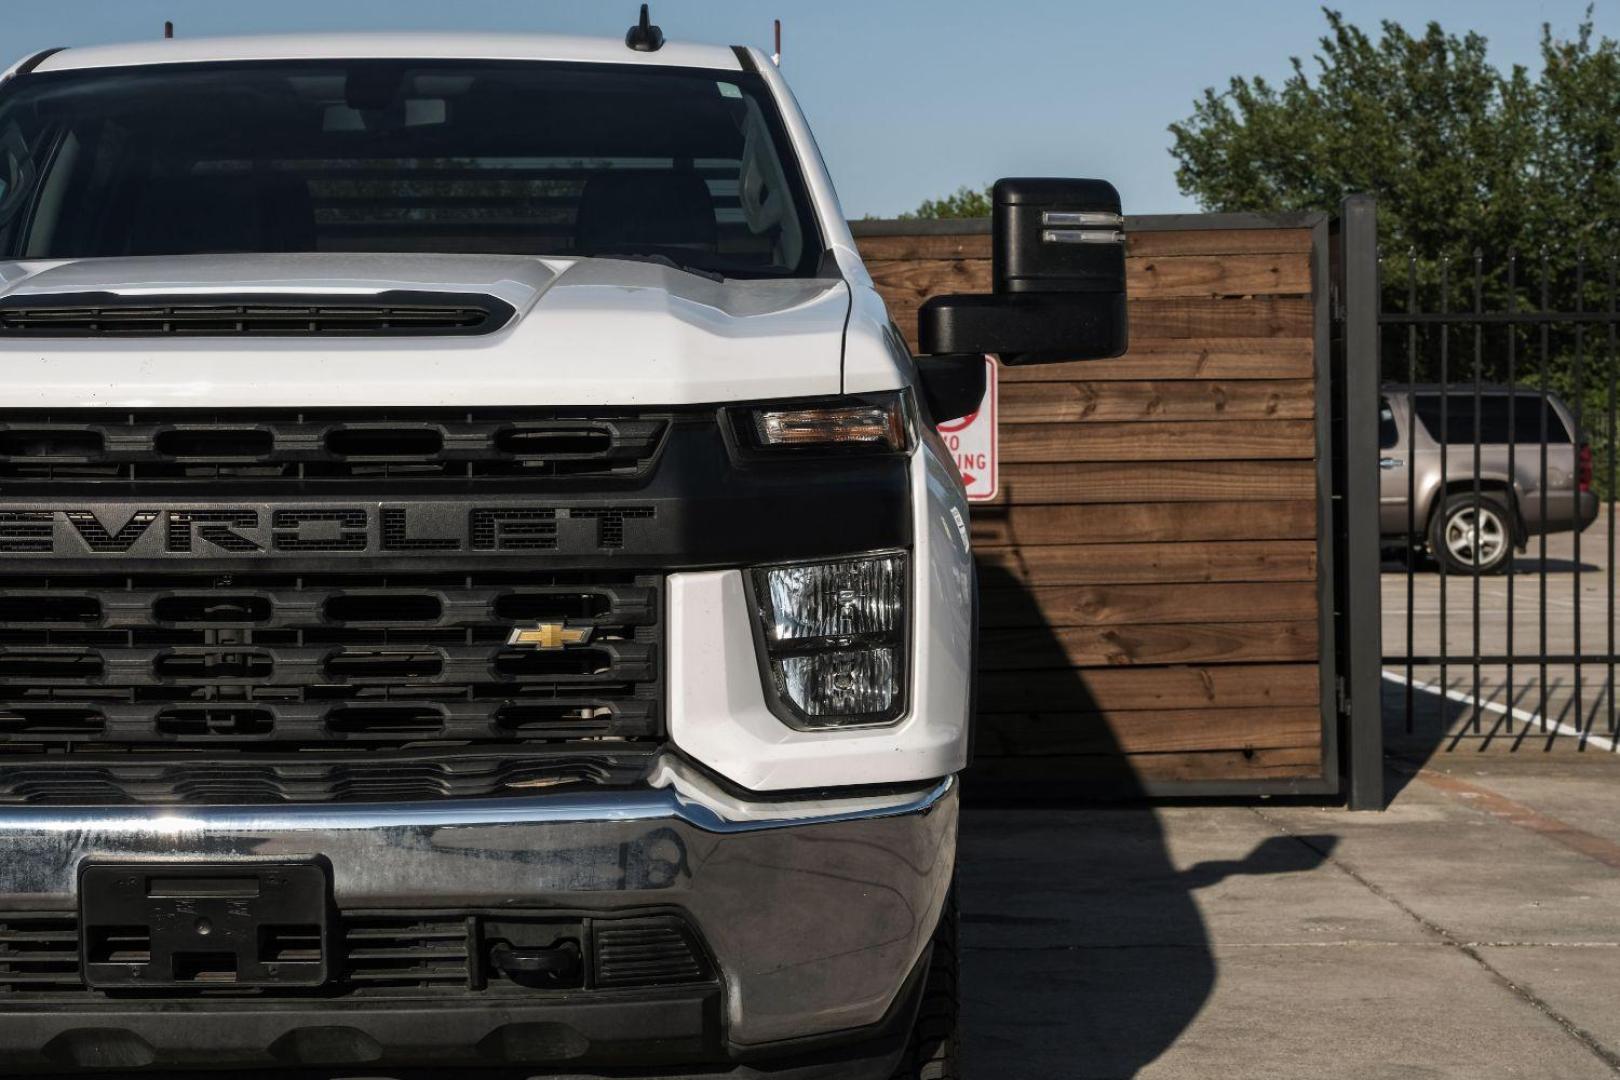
(1496, 496)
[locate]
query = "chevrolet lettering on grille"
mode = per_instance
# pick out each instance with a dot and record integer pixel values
(215, 531)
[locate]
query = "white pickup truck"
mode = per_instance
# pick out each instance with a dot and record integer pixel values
(479, 585)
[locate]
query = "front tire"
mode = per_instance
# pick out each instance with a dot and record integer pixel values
(934, 1050)
(1466, 530)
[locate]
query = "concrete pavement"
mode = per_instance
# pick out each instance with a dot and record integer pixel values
(1471, 931)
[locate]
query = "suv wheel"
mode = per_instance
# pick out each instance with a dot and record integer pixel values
(934, 1049)
(1467, 529)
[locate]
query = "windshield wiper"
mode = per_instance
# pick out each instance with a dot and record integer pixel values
(661, 259)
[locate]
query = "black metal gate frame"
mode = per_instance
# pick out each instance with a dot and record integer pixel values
(1358, 600)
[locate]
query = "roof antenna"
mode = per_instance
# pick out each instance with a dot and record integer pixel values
(644, 36)
(776, 57)
(168, 29)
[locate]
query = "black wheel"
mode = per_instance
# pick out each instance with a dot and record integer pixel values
(933, 1053)
(1471, 536)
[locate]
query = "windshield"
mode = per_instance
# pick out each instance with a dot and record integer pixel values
(404, 156)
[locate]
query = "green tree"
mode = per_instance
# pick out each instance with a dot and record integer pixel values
(965, 202)
(1468, 163)
(1459, 153)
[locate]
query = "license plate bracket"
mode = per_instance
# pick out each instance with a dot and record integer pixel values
(205, 925)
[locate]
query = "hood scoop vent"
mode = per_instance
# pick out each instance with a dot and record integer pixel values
(399, 313)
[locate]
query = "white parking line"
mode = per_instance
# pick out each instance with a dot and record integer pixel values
(1599, 741)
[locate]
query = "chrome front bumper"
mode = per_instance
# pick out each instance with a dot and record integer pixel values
(816, 911)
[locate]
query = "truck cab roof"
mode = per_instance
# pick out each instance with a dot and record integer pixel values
(387, 46)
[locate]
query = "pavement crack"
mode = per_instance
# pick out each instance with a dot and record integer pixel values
(1447, 938)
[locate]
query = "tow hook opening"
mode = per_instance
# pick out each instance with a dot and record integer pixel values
(558, 966)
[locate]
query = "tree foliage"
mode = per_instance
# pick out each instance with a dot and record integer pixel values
(1458, 152)
(1469, 164)
(965, 202)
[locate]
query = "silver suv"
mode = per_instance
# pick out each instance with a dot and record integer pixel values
(1524, 489)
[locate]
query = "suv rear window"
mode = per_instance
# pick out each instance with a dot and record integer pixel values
(1499, 414)
(535, 158)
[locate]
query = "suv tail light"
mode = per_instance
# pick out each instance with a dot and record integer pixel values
(1583, 467)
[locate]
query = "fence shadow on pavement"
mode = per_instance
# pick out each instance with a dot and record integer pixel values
(1085, 953)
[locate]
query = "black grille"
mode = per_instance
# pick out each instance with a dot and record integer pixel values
(407, 952)
(386, 315)
(194, 687)
(398, 954)
(310, 447)
(648, 952)
(39, 953)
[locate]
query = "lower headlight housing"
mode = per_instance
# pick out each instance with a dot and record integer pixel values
(832, 638)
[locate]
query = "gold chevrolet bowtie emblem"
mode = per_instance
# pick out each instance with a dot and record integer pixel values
(549, 635)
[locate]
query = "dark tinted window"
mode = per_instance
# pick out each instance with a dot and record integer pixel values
(1499, 415)
(1389, 435)
(394, 156)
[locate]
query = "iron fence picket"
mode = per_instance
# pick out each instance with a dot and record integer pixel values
(1544, 406)
(1411, 494)
(1614, 493)
(1478, 518)
(1445, 471)
(1576, 435)
(1512, 470)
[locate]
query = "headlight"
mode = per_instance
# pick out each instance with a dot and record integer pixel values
(857, 423)
(833, 635)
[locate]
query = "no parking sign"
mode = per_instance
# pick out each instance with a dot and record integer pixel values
(973, 442)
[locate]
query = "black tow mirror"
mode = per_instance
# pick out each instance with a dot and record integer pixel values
(1059, 279)
(952, 386)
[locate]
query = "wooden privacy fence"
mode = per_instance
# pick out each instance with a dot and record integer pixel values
(1156, 603)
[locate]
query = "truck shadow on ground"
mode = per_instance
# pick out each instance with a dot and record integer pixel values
(1085, 952)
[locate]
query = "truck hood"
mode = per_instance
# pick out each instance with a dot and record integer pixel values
(584, 332)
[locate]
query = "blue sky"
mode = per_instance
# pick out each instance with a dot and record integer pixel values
(911, 98)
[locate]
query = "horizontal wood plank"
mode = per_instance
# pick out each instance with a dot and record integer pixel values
(1216, 686)
(913, 280)
(1216, 440)
(1119, 564)
(1060, 606)
(998, 525)
(1213, 358)
(1173, 320)
(1218, 242)
(1052, 775)
(1183, 481)
(1190, 399)
(1147, 732)
(1218, 275)
(1138, 244)
(1118, 646)
(1264, 317)
(946, 246)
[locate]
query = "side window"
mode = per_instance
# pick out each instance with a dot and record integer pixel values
(1389, 434)
(1497, 417)
(1527, 419)
(1493, 419)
